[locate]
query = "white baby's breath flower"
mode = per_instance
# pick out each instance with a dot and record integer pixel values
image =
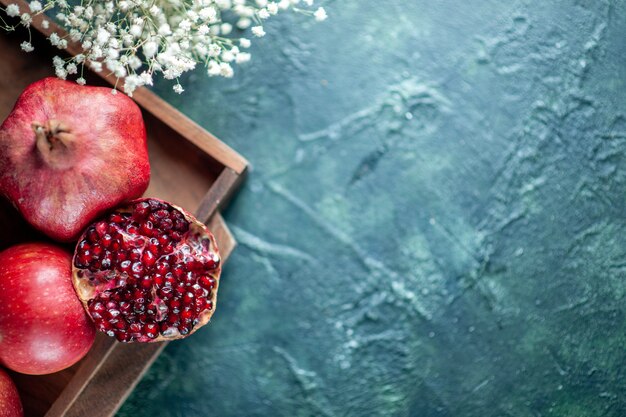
(13, 10)
(135, 31)
(213, 68)
(137, 40)
(226, 70)
(258, 31)
(150, 49)
(27, 47)
(35, 6)
(54, 39)
(226, 28)
(320, 14)
(26, 19)
(203, 30)
(244, 23)
(60, 72)
(243, 57)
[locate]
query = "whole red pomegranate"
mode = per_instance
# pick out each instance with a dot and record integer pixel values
(70, 153)
(43, 326)
(147, 272)
(10, 404)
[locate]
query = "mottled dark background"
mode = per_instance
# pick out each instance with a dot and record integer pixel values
(435, 224)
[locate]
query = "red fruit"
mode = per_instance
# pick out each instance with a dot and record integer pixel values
(43, 327)
(167, 273)
(70, 153)
(10, 404)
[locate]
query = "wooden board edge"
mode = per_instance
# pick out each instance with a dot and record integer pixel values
(153, 104)
(219, 194)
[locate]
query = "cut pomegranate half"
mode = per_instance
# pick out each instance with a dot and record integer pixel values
(147, 272)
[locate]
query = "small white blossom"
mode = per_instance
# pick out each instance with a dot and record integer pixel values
(178, 89)
(26, 19)
(226, 70)
(264, 14)
(272, 8)
(54, 39)
(60, 72)
(13, 10)
(258, 31)
(27, 47)
(244, 23)
(226, 28)
(150, 49)
(35, 6)
(243, 57)
(81, 81)
(308, 2)
(244, 43)
(320, 14)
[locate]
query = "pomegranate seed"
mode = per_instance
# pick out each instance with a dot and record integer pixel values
(151, 330)
(162, 267)
(206, 282)
(137, 268)
(135, 328)
(165, 292)
(158, 280)
(200, 304)
(125, 307)
(113, 313)
(92, 235)
(183, 329)
(175, 305)
(166, 224)
(146, 282)
(116, 218)
(163, 239)
(180, 289)
(106, 240)
(186, 315)
(97, 250)
(141, 210)
(147, 228)
(101, 228)
(188, 297)
(125, 266)
(173, 319)
(148, 259)
(123, 337)
(178, 271)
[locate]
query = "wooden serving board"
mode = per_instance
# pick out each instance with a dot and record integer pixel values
(190, 167)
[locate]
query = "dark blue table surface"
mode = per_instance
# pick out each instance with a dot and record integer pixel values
(435, 222)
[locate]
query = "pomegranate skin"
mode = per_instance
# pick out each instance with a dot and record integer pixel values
(10, 404)
(70, 153)
(43, 326)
